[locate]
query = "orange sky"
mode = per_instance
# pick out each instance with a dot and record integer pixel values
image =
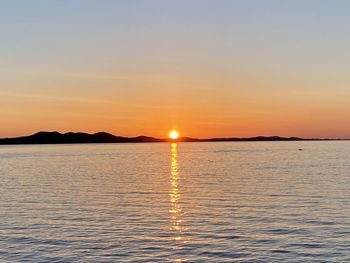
(208, 70)
(195, 107)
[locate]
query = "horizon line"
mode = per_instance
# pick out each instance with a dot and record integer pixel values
(180, 139)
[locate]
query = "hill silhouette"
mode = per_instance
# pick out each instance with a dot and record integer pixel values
(55, 137)
(74, 137)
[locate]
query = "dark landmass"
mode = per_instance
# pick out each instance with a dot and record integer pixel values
(103, 137)
(72, 137)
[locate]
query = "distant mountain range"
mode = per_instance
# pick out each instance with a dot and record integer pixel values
(104, 137)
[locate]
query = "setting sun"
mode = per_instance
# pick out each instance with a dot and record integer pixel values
(173, 135)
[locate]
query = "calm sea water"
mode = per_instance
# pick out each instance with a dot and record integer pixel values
(190, 202)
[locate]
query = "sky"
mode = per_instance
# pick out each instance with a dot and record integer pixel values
(216, 68)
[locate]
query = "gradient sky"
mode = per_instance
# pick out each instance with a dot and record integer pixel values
(208, 68)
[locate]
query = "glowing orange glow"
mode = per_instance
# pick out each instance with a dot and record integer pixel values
(173, 135)
(175, 210)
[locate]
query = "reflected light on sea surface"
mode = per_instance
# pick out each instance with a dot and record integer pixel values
(190, 202)
(175, 210)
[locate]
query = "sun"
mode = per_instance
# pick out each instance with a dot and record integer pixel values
(173, 135)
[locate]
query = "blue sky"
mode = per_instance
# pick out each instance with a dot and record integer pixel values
(250, 62)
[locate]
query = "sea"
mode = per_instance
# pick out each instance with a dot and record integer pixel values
(176, 202)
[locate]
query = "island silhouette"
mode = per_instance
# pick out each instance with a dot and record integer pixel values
(55, 137)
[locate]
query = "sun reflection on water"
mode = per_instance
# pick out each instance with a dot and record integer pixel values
(175, 211)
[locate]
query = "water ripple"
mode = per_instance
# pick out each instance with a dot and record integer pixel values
(186, 202)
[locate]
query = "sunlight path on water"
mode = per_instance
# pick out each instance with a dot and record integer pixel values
(176, 211)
